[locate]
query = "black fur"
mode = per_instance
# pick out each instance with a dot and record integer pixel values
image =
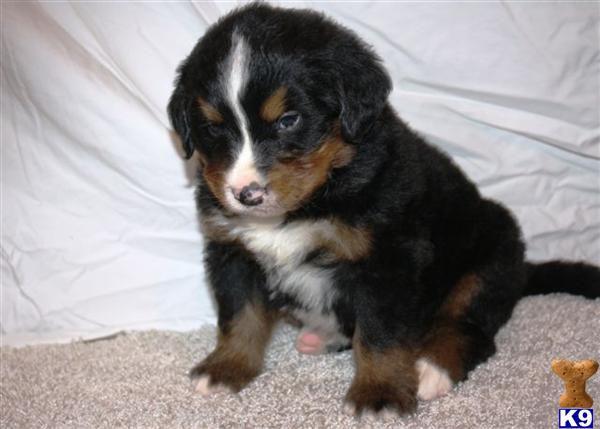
(429, 225)
(558, 276)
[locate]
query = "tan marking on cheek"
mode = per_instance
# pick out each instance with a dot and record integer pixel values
(274, 106)
(214, 174)
(344, 156)
(209, 111)
(294, 180)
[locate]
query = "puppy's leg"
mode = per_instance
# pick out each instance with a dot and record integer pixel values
(239, 354)
(476, 307)
(463, 334)
(385, 378)
(442, 358)
(245, 321)
(452, 349)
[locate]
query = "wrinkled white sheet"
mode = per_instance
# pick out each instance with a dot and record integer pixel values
(99, 231)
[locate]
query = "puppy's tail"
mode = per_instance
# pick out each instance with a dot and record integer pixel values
(576, 278)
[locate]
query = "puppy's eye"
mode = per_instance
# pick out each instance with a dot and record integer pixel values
(213, 127)
(288, 121)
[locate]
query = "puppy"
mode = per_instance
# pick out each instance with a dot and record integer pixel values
(318, 203)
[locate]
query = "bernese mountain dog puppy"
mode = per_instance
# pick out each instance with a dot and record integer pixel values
(319, 204)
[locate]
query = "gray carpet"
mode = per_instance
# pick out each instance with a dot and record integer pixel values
(138, 380)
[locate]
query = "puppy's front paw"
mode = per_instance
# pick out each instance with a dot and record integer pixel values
(205, 387)
(218, 373)
(376, 397)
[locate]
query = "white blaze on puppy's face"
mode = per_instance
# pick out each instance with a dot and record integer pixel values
(243, 171)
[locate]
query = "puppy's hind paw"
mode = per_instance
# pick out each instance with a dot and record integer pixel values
(385, 414)
(433, 380)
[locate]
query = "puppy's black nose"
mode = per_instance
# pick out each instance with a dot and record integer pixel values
(251, 195)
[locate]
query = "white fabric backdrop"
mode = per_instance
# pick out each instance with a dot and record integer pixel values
(99, 231)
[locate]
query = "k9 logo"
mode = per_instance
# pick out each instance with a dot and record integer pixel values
(575, 418)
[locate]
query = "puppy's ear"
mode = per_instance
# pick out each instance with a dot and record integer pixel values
(179, 110)
(364, 86)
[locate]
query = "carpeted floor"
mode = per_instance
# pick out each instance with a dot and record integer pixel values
(138, 380)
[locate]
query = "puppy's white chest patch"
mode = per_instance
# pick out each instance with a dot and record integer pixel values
(281, 245)
(282, 251)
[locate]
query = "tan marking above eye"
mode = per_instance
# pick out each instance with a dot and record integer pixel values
(209, 111)
(275, 105)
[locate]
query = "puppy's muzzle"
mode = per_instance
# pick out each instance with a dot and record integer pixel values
(250, 195)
